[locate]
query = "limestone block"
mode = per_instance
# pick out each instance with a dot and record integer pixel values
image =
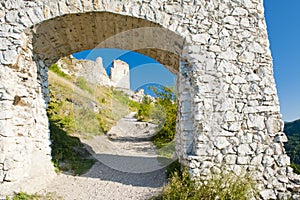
(35, 15)
(201, 38)
(229, 116)
(228, 55)
(269, 173)
(75, 4)
(277, 148)
(247, 3)
(219, 158)
(239, 80)
(201, 150)
(256, 160)
(9, 164)
(256, 122)
(283, 179)
(268, 161)
(14, 174)
(63, 8)
(280, 137)
(256, 48)
(1, 174)
(230, 159)
(274, 125)
(9, 57)
(202, 138)
(6, 131)
(243, 160)
(234, 127)
(283, 160)
(230, 20)
(268, 194)
(245, 22)
(253, 78)
(11, 17)
(244, 149)
(246, 57)
(269, 151)
(221, 142)
(240, 12)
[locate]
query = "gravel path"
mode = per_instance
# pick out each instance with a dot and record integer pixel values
(127, 166)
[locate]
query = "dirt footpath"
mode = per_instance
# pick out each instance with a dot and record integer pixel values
(127, 166)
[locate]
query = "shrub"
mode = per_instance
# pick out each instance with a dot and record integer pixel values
(174, 167)
(295, 167)
(222, 186)
(144, 108)
(167, 99)
(25, 196)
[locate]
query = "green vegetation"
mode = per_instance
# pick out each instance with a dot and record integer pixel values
(54, 68)
(25, 196)
(174, 167)
(79, 110)
(162, 112)
(223, 186)
(292, 147)
(68, 153)
(84, 85)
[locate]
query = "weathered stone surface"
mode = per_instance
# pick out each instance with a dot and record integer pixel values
(268, 194)
(228, 108)
(221, 142)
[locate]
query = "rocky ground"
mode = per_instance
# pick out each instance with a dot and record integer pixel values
(127, 166)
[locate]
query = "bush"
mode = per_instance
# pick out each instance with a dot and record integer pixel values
(143, 110)
(223, 187)
(295, 167)
(25, 196)
(174, 167)
(167, 99)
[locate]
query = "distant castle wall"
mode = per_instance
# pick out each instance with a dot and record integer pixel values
(119, 75)
(95, 73)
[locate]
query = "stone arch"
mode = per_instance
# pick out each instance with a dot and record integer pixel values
(228, 108)
(62, 36)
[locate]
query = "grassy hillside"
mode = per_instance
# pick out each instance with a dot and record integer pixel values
(292, 130)
(80, 110)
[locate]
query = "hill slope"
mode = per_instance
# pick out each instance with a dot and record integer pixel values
(292, 130)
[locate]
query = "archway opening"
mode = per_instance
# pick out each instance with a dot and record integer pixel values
(66, 35)
(114, 108)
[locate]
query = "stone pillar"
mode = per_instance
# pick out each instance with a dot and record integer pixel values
(24, 134)
(185, 115)
(237, 121)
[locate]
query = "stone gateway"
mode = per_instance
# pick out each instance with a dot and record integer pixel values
(228, 116)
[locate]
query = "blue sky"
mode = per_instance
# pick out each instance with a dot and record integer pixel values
(283, 21)
(144, 70)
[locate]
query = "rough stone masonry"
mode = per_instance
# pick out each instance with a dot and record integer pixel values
(228, 117)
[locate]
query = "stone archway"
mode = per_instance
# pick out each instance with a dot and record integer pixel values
(228, 107)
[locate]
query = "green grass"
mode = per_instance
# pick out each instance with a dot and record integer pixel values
(54, 68)
(68, 153)
(25, 196)
(73, 116)
(84, 85)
